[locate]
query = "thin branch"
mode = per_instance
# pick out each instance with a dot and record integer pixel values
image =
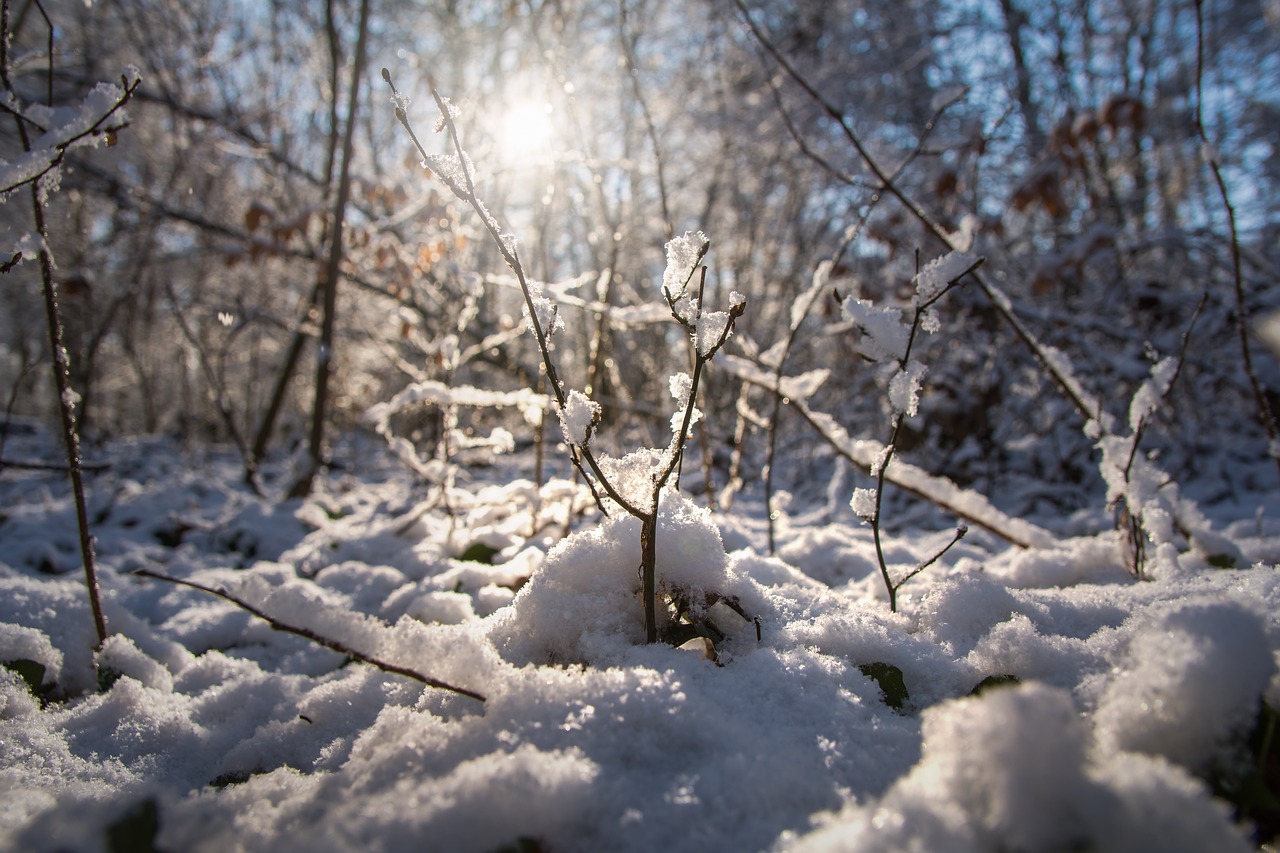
(939, 491)
(961, 531)
(1265, 413)
(1141, 428)
(96, 129)
(307, 633)
(88, 468)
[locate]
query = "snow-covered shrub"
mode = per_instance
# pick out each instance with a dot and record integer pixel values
(887, 340)
(636, 482)
(580, 605)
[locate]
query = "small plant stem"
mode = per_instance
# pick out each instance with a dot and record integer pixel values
(1268, 735)
(649, 571)
(307, 633)
(66, 412)
(675, 451)
(53, 317)
(890, 585)
(883, 565)
(1132, 515)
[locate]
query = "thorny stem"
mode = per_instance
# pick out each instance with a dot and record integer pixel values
(307, 633)
(1265, 413)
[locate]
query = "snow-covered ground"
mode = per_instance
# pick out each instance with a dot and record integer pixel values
(1022, 699)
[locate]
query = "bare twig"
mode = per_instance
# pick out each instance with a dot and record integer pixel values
(961, 531)
(98, 128)
(1130, 516)
(307, 633)
(52, 466)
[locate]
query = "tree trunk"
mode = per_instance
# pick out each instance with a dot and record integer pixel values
(324, 357)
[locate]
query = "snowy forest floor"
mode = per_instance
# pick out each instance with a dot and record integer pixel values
(1022, 699)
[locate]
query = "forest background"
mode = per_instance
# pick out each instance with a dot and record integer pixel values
(200, 279)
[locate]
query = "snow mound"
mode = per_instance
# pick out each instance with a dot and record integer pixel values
(1010, 770)
(1192, 679)
(583, 603)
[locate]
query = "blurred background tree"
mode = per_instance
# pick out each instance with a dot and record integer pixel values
(194, 252)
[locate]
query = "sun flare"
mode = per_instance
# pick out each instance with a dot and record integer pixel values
(526, 135)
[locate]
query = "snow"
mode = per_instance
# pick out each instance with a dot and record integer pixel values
(681, 385)
(85, 125)
(1124, 698)
(1151, 392)
(710, 330)
(578, 417)
(939, 273)
(884, 333)
(863, 504)
(904, 389)
(684, 253)
(548, 317)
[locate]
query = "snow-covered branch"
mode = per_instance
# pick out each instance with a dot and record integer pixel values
(313, 636)
(62, 130)
(940, 491)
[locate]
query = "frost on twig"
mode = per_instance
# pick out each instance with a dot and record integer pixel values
(684, 254)
(887, 338)
(545, 312)
(1149, 506)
